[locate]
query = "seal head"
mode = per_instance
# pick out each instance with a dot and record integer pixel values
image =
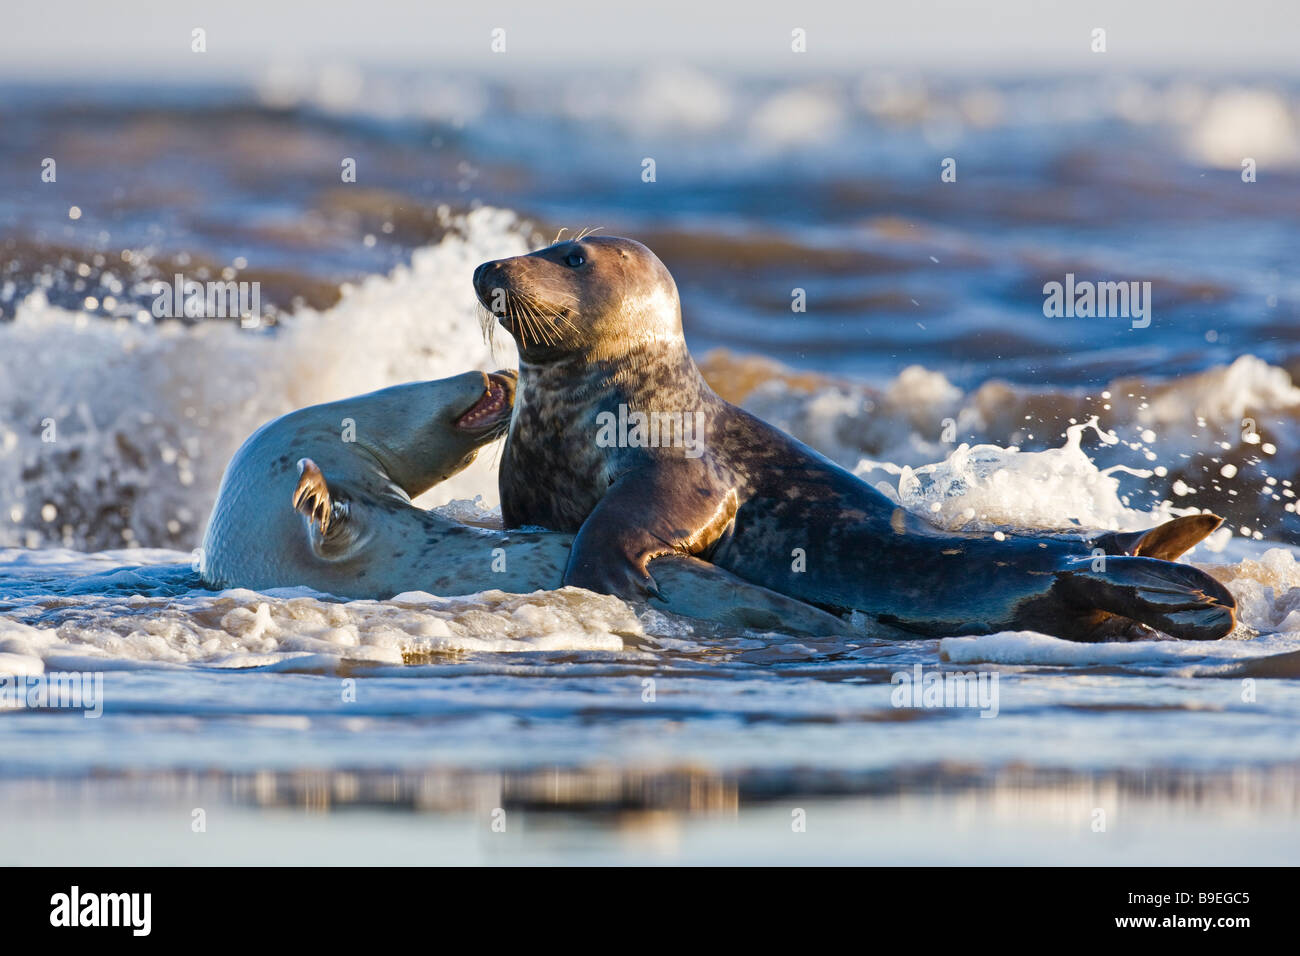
(600, 296)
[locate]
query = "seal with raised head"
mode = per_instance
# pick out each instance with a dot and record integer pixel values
(617, 438)
(321, 498)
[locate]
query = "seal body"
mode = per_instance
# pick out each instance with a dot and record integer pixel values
(321, 498)
(598, 326)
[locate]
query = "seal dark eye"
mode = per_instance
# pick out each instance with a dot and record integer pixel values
(574, 259)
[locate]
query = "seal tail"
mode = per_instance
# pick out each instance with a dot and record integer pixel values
(1167, 541)
(1178, 599)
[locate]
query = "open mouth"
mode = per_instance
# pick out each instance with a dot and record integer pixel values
(493, 408)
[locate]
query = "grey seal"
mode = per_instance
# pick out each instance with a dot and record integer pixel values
(598, 325)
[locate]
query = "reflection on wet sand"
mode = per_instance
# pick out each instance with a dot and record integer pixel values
(1012, 790)
(926, 815)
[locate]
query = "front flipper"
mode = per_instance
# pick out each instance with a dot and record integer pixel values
(1167, 541)
(332, 529)
(679, 506)
(695, 588)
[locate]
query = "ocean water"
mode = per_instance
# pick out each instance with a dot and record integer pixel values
(570, 726)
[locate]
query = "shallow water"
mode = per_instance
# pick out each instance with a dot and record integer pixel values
(594, 712)
(924, 362)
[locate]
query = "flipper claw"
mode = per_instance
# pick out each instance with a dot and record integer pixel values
(313, 499)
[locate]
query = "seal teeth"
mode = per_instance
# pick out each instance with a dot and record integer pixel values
(486, 408)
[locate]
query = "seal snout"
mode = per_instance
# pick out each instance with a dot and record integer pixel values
(488, 279)
(493, 408)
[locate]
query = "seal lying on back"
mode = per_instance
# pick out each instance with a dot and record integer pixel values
(616, 438)
(321, 497)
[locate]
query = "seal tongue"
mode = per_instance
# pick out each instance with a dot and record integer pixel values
(487, 410)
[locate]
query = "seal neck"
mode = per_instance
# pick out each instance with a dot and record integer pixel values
(646, 373)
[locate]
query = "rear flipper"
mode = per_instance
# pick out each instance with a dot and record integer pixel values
(1167, 541)
(1180, 600)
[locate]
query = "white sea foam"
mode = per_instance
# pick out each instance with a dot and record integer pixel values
(298, 629)
(987, 486)
(1180, 658)
(1267, 589)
